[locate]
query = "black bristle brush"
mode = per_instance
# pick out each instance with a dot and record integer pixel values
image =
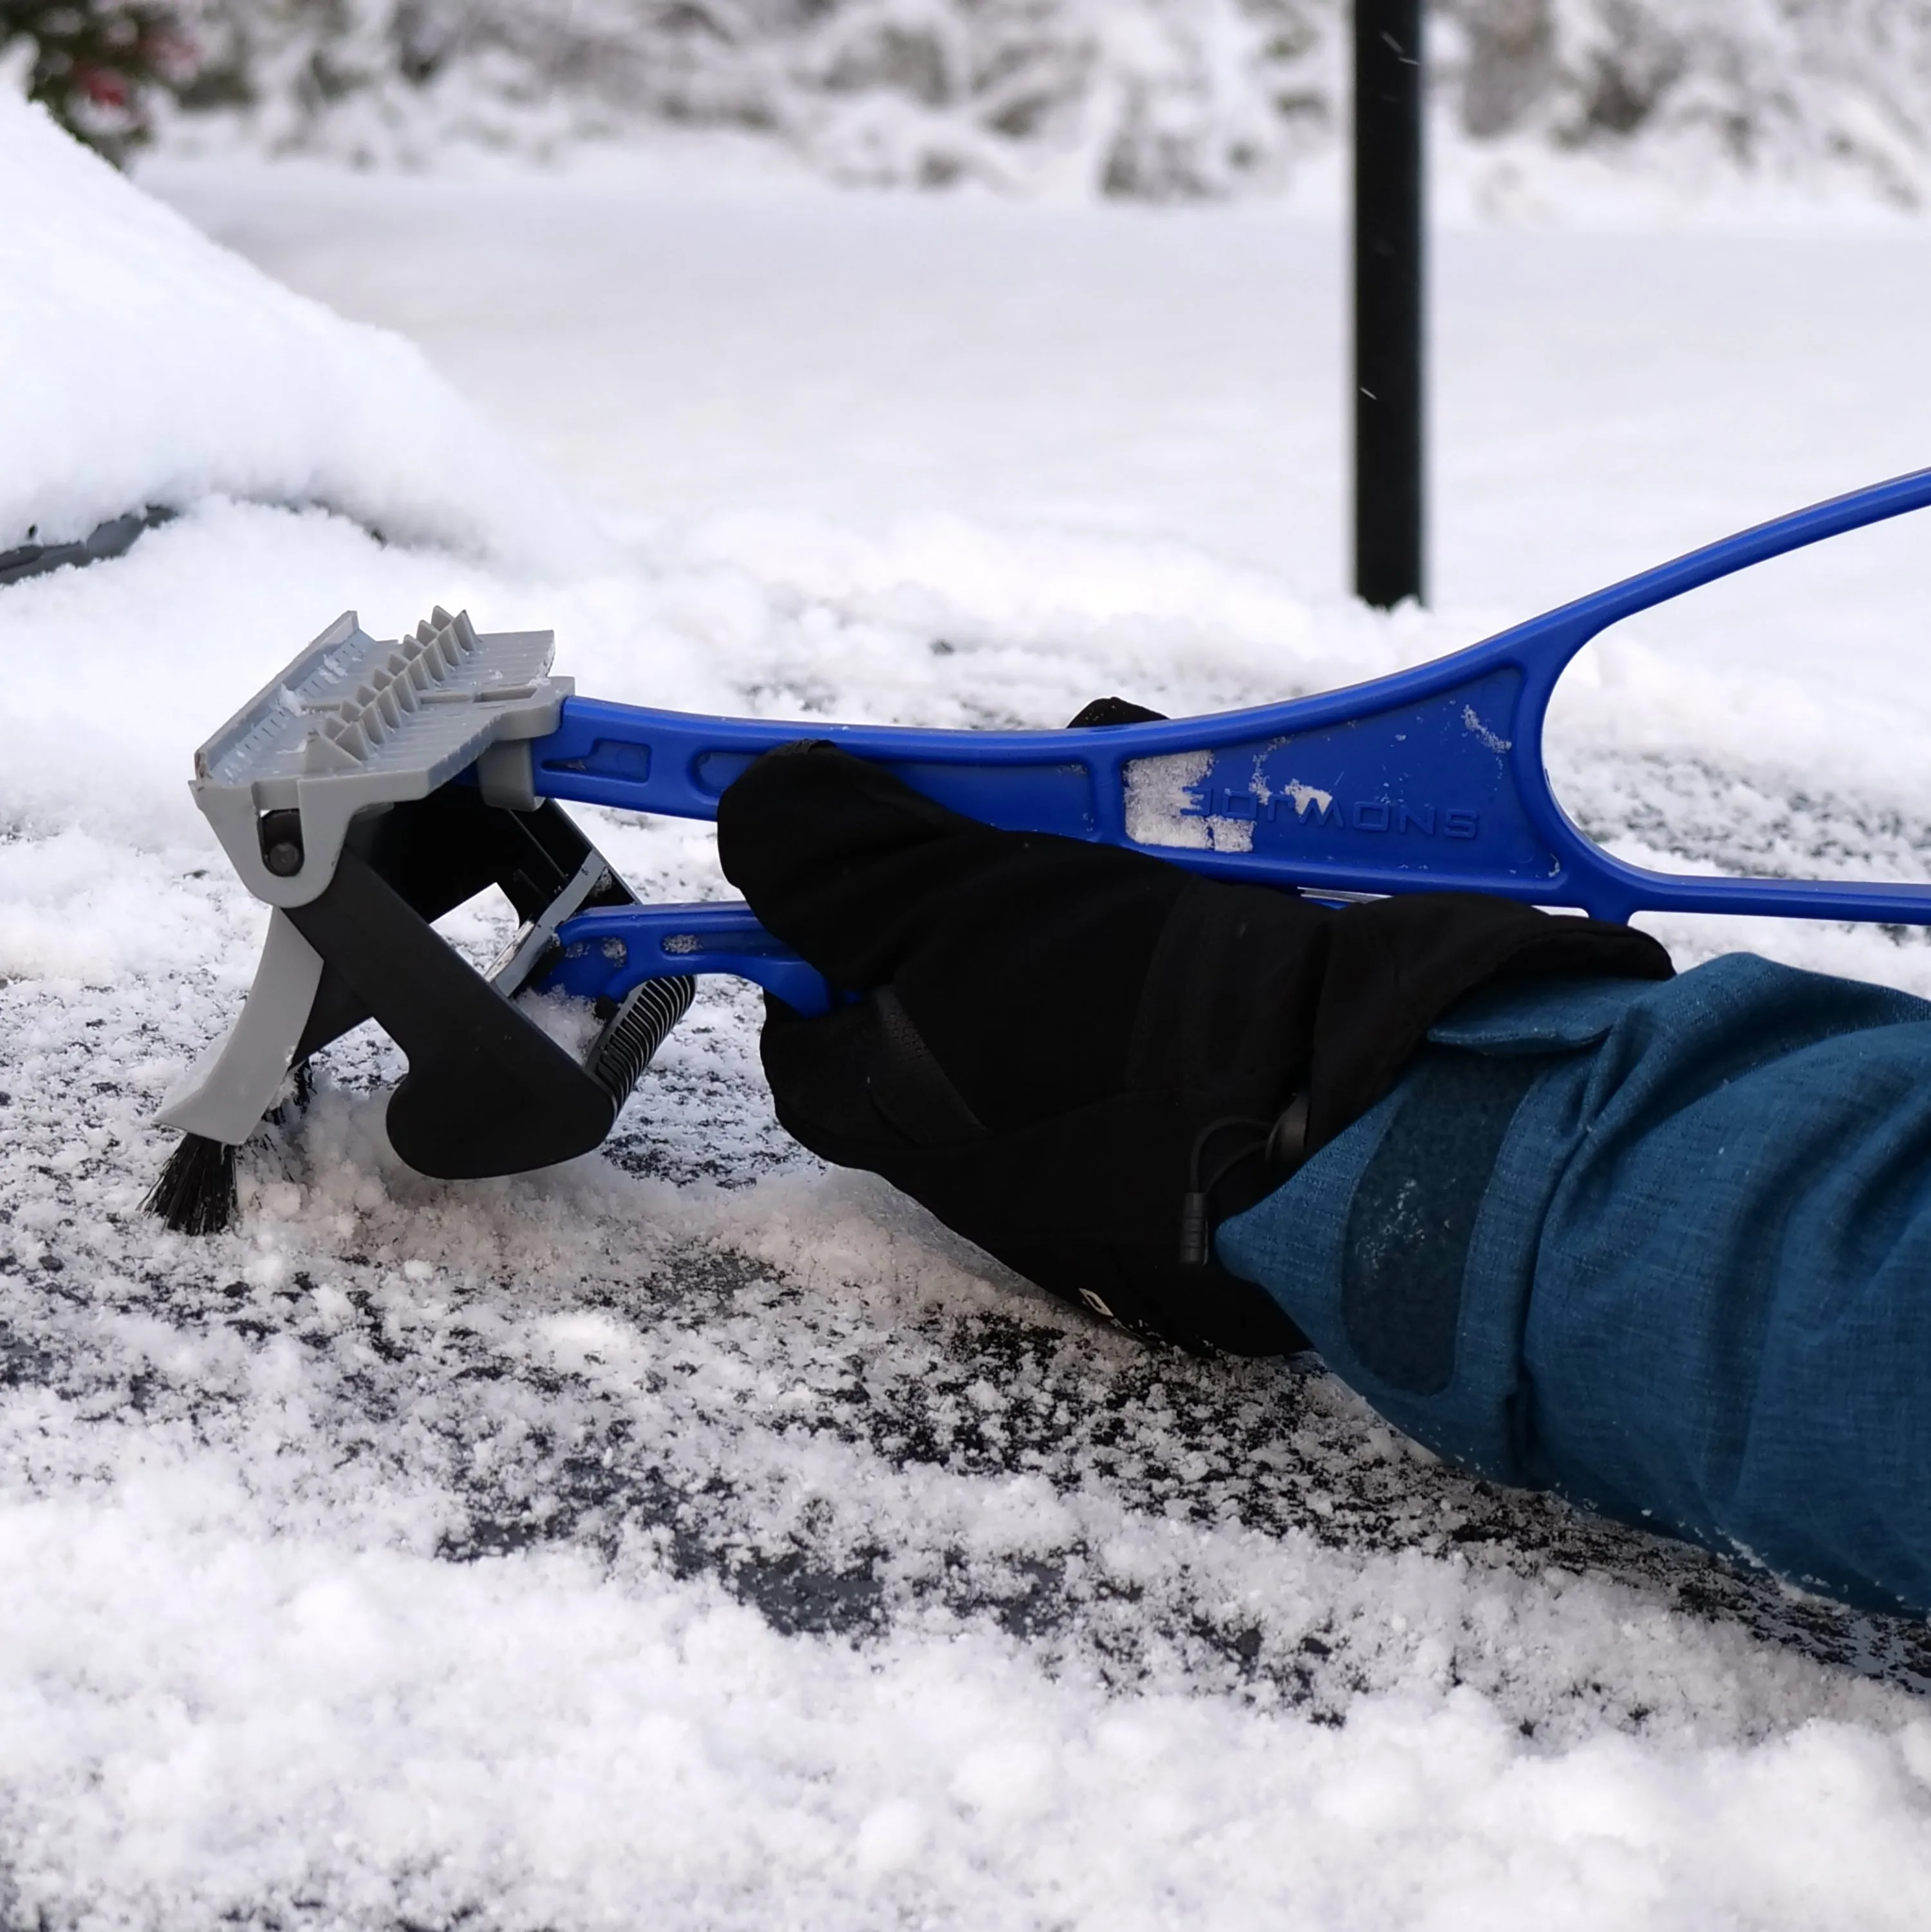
(195, 1192)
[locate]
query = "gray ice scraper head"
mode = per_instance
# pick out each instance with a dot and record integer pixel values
(368, 789)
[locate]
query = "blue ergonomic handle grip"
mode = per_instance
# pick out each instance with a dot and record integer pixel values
(606, 952)
(1430, 780)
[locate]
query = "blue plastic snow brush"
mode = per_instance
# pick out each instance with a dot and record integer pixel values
(372, 787)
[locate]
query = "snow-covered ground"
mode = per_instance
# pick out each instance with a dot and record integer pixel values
(690, 1537)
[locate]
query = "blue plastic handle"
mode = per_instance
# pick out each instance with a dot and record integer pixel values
(1430, 780)
(606, 953)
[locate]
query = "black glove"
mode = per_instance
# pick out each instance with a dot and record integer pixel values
(1060, 1041)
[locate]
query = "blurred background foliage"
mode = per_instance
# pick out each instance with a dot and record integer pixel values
(1154, 100)
(102, 67)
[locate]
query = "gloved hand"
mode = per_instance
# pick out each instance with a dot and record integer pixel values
(1061, 1040)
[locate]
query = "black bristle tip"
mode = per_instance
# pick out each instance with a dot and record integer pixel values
(195, 1192)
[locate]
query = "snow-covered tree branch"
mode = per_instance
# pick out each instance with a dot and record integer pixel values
(1157, 99)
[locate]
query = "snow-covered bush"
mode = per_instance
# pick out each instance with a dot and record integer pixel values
(99, 67)
(1151, 98)
(1154, 99)
(1801, 88)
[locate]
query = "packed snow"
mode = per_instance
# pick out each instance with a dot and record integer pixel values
(691, 1536)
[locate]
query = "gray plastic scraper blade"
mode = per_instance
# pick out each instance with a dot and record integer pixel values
(353, 724)
(223, 1095)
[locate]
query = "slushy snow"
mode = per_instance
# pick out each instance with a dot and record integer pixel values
(688, 1535)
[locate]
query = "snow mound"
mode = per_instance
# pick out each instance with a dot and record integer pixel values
(146, 365)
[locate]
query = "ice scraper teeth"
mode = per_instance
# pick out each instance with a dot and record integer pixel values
(353, 724)
(372, 787)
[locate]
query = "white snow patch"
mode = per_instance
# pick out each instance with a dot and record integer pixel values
(1163, 804)
(571, 1023)
(1481, 733)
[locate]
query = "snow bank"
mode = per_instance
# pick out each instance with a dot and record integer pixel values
(145, 365)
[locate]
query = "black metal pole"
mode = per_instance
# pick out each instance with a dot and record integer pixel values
(1389, 302)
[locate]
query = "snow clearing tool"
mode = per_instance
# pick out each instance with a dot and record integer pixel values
(372, 787)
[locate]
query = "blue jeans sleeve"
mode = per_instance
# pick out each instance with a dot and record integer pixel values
(1665, 1249)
